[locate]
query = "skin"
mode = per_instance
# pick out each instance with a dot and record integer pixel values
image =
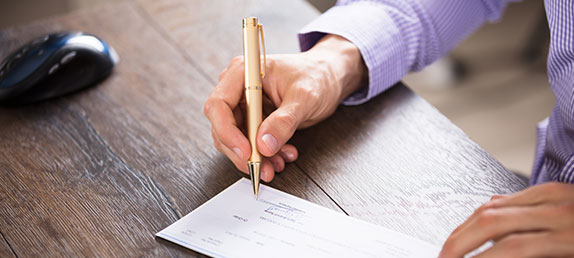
(300, 90)
(305, 88)
(536, 222)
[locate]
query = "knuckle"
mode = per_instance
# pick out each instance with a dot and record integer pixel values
(309, 93)
(486, 218)
(287, 120)
(238, 60)
(482, 208)
(208, 107)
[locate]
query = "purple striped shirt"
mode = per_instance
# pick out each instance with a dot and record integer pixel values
(398, 36)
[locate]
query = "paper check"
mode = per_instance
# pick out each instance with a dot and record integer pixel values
(234, 224)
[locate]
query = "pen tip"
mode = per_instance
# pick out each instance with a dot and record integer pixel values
(255, 171)
(256, 190)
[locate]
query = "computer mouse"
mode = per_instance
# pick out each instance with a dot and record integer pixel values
(54, 65)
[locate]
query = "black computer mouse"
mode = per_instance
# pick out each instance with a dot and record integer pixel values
(54, 65)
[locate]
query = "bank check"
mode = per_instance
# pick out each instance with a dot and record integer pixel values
(277, 224)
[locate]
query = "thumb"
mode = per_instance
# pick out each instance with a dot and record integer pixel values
(277, 129)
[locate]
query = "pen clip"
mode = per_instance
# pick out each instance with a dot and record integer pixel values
(262, 68)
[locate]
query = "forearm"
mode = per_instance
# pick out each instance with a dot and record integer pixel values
(555, 147)
(395, 37)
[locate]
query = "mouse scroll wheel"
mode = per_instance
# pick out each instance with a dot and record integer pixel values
(68, 57)
(53, 69)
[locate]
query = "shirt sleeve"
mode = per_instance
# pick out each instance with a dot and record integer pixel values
(398, 36)
(555, 152)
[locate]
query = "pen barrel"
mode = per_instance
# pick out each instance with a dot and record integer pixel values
(253, 85)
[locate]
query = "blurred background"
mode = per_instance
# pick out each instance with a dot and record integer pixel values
(493, 85)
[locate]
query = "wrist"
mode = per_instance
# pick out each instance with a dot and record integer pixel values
(344, 63)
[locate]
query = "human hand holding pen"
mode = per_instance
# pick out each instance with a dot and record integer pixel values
(300, 90)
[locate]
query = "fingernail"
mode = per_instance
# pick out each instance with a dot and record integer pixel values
(264, 175)
(276, 166)
(290, 156)
(496, 196)
(238, 152)
(270, 141)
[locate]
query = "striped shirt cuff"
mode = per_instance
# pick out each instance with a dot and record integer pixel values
(371, 29)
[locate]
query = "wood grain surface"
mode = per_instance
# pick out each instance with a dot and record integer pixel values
(198, 25)
(99, 172)
(5, 250)
(395, 161)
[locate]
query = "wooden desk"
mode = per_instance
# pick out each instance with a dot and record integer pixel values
(99, 172)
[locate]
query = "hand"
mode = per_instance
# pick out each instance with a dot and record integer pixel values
(536, 222)
(299, 90)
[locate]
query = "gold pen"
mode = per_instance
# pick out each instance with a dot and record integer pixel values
(254, 72)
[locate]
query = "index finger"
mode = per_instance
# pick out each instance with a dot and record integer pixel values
(219, 109)
(230, 86)
(546, 193)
